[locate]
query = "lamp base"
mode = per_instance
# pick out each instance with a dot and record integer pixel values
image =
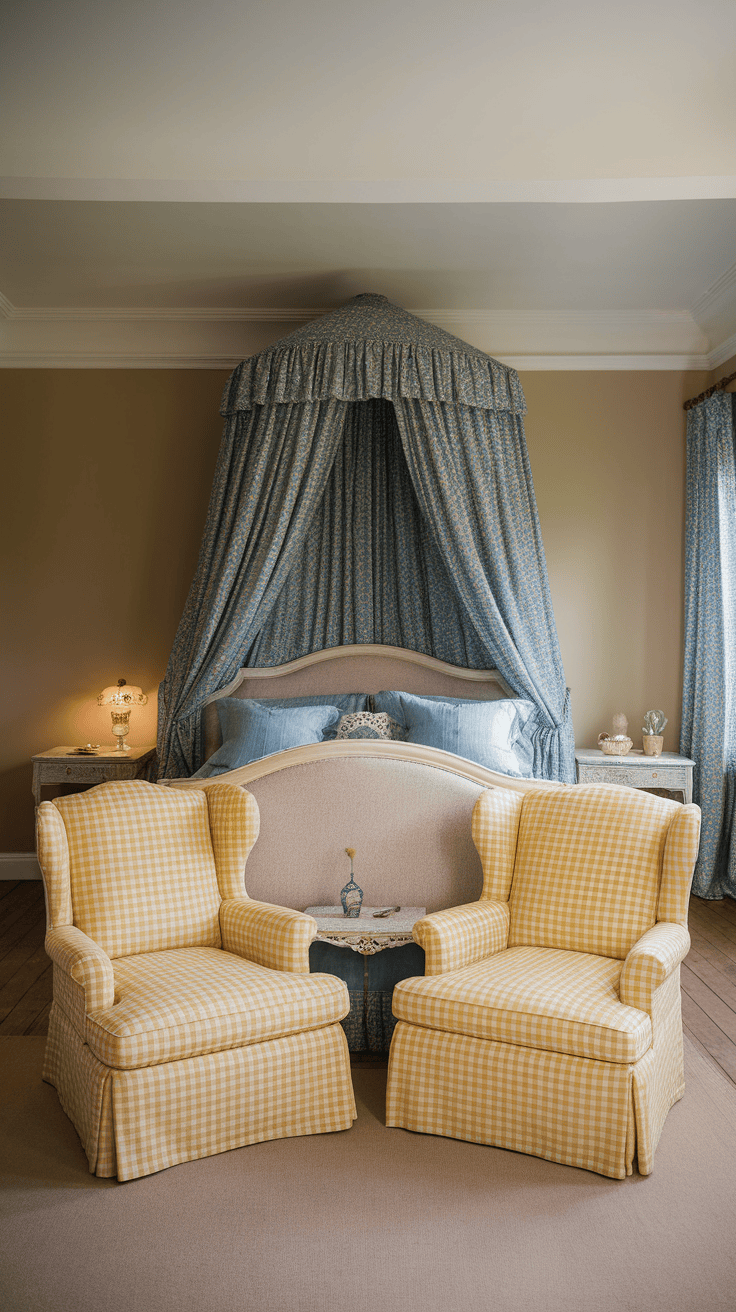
(120, 728)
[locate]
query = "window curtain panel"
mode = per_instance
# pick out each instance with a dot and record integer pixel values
(708, 733)
(373, 486)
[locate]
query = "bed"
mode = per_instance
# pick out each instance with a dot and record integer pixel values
(405, 807)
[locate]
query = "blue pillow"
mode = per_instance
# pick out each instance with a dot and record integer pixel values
(489, 733)
(251, 730)
(347, 702)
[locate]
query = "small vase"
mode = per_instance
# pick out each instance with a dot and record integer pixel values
(652, 744)
(351, 897)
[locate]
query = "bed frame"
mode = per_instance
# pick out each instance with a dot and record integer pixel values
(405, 808)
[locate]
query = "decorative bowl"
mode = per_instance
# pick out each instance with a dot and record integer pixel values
(618, 746)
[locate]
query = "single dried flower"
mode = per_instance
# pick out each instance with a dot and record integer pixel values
(350, 852)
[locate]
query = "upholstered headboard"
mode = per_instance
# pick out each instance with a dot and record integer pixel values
(366, 668)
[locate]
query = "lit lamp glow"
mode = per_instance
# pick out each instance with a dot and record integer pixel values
(121, 699)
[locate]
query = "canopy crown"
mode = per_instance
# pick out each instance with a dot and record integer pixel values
(370, 348)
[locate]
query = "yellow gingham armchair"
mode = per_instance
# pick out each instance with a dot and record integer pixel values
(548, 1020)
(184, 1020)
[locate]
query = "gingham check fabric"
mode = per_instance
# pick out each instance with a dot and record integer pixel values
(234, 826)
(495, 829)
(533, 998)
(680, 855)
(70, 997)
(461, 935)
(142, 869)
(650, 961)
(160, 1043)
(53, 858)
(133, 1123)
(565, 1109)
(83, 1086)
(658, 1080)
(77, 956)
(269, 935)
(170, 1005)
(588, 866)
(489, 1052)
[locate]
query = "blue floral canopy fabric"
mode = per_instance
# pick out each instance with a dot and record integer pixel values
(373, 486)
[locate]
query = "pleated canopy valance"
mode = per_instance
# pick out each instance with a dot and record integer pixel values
(371, 349)
(373, 486)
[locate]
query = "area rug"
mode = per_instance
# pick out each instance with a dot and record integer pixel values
(366, 1219)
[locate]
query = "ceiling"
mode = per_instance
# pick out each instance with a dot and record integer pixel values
(180, 184)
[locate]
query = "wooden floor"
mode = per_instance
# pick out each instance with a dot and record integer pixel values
(708, 972)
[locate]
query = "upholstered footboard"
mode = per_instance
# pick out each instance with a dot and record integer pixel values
(132, 1123)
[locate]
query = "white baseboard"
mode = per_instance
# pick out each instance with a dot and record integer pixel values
(19, 865)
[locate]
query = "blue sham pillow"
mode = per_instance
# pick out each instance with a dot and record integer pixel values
(251, 730)
(348, 703)
(490, 733)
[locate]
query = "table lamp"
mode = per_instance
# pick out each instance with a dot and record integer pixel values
(121, 699)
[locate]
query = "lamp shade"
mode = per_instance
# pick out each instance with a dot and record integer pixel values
(122, 695)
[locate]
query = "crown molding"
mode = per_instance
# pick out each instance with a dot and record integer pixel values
(69, 337)
(723, 290)
(522, 363)
(164, 314)
(375, 191)
(724, 352)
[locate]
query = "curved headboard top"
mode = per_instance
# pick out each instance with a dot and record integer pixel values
(368, 668)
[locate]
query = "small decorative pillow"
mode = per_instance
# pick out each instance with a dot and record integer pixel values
(365, 724)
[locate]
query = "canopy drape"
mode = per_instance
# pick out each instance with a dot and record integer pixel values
(373, 486)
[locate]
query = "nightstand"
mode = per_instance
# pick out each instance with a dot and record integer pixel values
(60, 766)
(670, 771)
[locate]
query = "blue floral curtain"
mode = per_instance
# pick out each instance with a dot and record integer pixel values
(471, 472)
(373, 486)
(369, 570)
(708, 706)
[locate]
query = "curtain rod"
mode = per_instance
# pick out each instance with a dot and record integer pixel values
(717, 387)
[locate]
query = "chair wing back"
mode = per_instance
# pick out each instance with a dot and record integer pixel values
(680, 855)
(495, 829)
(141, 866)
(588, 867)
(234, 825)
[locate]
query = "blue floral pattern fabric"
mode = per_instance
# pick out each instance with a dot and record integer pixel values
(373, 486)
(471, 474)
(367, 349)
(708, 733)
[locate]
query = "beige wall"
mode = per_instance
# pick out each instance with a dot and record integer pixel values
(607, 452)
(107, 478)
(107, 481)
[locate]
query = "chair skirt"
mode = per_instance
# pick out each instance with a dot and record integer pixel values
(132, 1123)
(592, 1114)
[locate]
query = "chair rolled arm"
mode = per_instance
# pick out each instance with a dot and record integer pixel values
(653, 957)
(86, 962)
(270, 935)
(461, 935)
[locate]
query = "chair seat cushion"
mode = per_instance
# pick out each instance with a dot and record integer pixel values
(190, 1001)
(533, 997)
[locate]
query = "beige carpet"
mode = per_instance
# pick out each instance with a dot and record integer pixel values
(367, 1219)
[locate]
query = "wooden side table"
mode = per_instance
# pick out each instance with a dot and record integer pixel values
(670, 771)
(60, 766)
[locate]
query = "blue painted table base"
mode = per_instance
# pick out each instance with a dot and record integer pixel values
(370, 980)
